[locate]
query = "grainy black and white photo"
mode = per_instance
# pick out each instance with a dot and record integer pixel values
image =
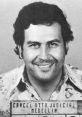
(40, 58)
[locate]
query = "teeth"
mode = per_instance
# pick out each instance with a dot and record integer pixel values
(47, 65)
(44, 67)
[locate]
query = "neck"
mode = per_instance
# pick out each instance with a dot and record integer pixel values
(45, 89)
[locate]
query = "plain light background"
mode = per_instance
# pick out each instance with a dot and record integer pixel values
(8, 12)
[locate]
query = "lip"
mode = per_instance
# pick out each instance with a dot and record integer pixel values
(45, 67)
(44, 64)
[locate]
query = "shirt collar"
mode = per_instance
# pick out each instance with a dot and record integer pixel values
(74, 75)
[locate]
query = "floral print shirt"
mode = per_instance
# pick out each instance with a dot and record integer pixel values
(13, 86)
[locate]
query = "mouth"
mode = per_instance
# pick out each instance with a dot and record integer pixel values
(45, 67)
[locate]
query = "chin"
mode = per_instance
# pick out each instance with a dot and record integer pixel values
(48, 76)
(43, 80)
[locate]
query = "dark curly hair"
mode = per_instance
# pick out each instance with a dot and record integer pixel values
(40, 13)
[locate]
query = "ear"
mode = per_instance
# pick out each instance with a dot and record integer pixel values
(66, 47)
(20, 52)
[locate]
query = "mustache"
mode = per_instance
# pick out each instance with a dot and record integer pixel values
(44, 61)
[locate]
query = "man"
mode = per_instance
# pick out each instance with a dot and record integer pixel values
(42, 35)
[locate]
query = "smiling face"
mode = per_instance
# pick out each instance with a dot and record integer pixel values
(44, 51)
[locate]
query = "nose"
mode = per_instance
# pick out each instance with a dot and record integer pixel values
(43, 52)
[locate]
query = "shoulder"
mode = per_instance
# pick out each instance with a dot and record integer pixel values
(75, 75)
(8, 82)
(11, 76)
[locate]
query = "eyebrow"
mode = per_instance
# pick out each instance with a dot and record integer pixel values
(54, 40)
(30, 42)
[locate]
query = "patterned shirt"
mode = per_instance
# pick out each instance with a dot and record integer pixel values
(14, 85)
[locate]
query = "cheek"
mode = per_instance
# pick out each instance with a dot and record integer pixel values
(29, 55)
(59, 53)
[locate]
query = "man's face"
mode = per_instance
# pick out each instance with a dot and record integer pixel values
(43, 51)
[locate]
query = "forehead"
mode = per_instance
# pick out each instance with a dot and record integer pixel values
(43, 33)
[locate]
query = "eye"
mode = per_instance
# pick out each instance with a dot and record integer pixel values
(53, 45)
(34, 45)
